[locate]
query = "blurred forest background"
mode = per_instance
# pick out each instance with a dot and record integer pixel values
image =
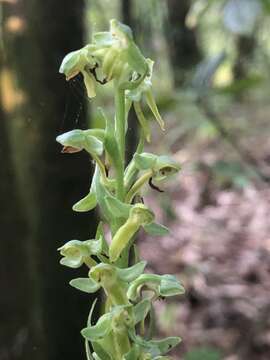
(212, 72)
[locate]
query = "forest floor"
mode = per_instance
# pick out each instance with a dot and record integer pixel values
(219, 247)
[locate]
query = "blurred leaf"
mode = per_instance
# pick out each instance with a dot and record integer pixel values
(203, 354)
(231, 172)
(266, 5)
(156, 229)
(238, 86)
(240, 16)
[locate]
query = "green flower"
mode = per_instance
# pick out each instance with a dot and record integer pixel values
(75, 252)
(113, 279)
(119, 56)
(117, 320)
(155, 167)
(80, 61)
(162, 166)
(154, 349)
(81, 139)
(114, 54)
(144, 90)
(75, 62)
(161, 285)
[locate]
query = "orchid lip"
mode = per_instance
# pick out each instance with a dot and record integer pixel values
(70, 150)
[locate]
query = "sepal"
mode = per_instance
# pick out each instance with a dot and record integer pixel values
(145, 161)
(85, 284)
(145, 89)
(170, 286)
(131, 273)
(89, 202)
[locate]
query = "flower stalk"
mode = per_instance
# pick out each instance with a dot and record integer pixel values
(116, 189)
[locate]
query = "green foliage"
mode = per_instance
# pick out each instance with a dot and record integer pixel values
(115, 189)
(227, 173)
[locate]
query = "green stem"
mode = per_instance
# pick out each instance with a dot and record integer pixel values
(121, 343)
(120, 129)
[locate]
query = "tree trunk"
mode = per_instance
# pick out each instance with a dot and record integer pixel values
(246, 46)
(37, 35)
(182, 42)
(14, 279)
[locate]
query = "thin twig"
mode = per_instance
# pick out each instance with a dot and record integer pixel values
(248, 160)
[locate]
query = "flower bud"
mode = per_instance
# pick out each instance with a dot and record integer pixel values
(139, 215)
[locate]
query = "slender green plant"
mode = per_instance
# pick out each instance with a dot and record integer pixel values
(123, 331)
